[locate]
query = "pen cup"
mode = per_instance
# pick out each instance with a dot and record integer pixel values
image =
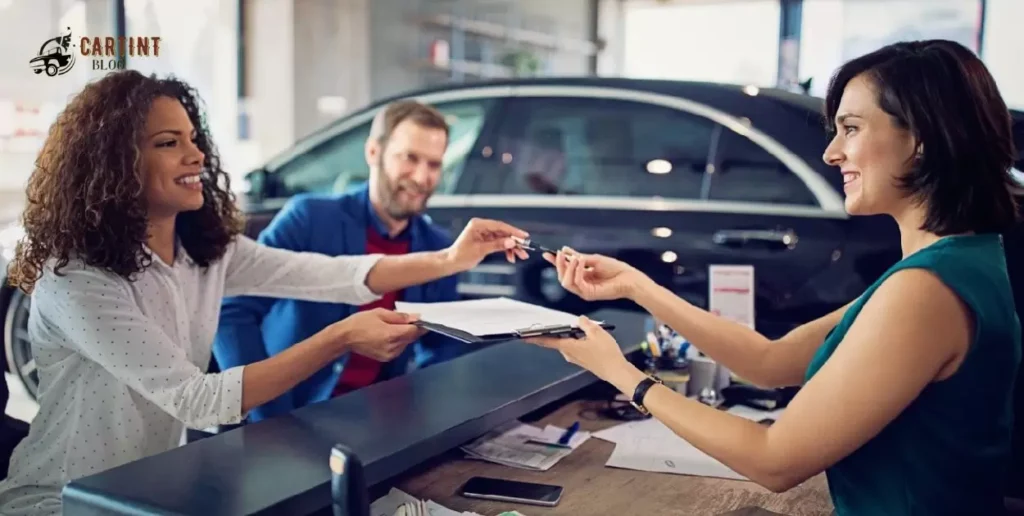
(676, 379)
(707, 374)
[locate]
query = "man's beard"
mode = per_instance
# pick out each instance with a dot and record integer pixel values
(389, 192)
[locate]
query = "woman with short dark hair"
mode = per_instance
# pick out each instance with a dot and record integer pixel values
(132, 239)
(906, 391)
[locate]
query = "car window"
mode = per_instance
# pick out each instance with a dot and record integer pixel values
(746, 172)
(339, 162)
(584, 146)
(465, 121)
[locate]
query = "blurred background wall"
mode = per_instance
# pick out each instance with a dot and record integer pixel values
(273, 71)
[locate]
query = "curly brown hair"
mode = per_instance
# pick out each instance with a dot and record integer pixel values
(85, 196)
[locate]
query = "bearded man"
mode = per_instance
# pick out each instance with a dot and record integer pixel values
(404, 153)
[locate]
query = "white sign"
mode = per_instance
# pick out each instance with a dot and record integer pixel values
(731, 292)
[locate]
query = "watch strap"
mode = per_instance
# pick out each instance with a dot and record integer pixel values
(641, 391)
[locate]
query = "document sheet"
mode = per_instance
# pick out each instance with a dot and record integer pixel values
(649, 445)
(521, 446)
(492, 316)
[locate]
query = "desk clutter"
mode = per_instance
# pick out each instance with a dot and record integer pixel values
(649, 445)
(525, 446)
(400, 503)
(644, 445)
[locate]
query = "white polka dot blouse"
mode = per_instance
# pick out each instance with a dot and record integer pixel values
(122, 364)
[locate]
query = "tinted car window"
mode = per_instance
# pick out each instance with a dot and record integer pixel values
(747, 172)
(588, 146)
(339, 162)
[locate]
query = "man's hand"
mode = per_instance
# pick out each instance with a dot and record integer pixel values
(482, 237)
(378, 334)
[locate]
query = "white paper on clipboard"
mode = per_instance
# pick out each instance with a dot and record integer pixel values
(731, 292)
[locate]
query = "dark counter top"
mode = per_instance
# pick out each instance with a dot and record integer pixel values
(280, 465)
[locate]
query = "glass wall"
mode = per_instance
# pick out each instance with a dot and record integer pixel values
(835, 31)
(1003, 42)
(735, 42)
(199, 44)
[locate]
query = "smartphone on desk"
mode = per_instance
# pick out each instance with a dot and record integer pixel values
(512, 491)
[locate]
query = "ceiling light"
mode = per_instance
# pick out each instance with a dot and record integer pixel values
(659, 166)
(661, 232)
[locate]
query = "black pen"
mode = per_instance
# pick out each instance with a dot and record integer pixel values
(526, 243)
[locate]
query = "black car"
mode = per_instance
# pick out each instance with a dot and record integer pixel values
(669, 176)
(672, 177)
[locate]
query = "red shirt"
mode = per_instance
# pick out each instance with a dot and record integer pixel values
(361, 371)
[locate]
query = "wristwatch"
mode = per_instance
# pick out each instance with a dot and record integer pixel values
(641, 391)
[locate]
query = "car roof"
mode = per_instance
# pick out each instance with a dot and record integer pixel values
(701, 91)
(660, 86)
(696, 90)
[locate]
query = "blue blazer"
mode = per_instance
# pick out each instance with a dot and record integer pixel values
(254, 328)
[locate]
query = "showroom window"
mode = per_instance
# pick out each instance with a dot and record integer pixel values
(747, 172)
(339, 162)
(606, 147)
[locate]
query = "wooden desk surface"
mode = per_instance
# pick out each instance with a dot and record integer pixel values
(593, 489)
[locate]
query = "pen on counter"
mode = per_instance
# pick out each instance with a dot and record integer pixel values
(567, 436)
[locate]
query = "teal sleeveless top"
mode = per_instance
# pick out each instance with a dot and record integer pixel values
(947, 453)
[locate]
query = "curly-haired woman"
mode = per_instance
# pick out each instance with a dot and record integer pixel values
(132, 239)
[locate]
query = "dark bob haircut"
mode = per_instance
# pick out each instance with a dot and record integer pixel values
(944, 95)
(85, 196)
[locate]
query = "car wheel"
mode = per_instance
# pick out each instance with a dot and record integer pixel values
(51, 69)
(17, 345)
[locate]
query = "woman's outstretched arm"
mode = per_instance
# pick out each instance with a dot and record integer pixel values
(752, 356)
(747, 353)
(914, 330)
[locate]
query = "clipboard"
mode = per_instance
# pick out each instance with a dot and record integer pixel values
(556, 331)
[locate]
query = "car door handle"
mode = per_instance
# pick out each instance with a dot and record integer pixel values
(739, 237)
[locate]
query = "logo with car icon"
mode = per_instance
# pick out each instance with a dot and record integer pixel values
(55, 56)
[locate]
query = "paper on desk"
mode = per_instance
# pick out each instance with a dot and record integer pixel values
(754, 414)
(511, 445)
(615, 433)
(492, 316)
(436, 509)
(649, 445)
(388, 504)
(551, 434)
